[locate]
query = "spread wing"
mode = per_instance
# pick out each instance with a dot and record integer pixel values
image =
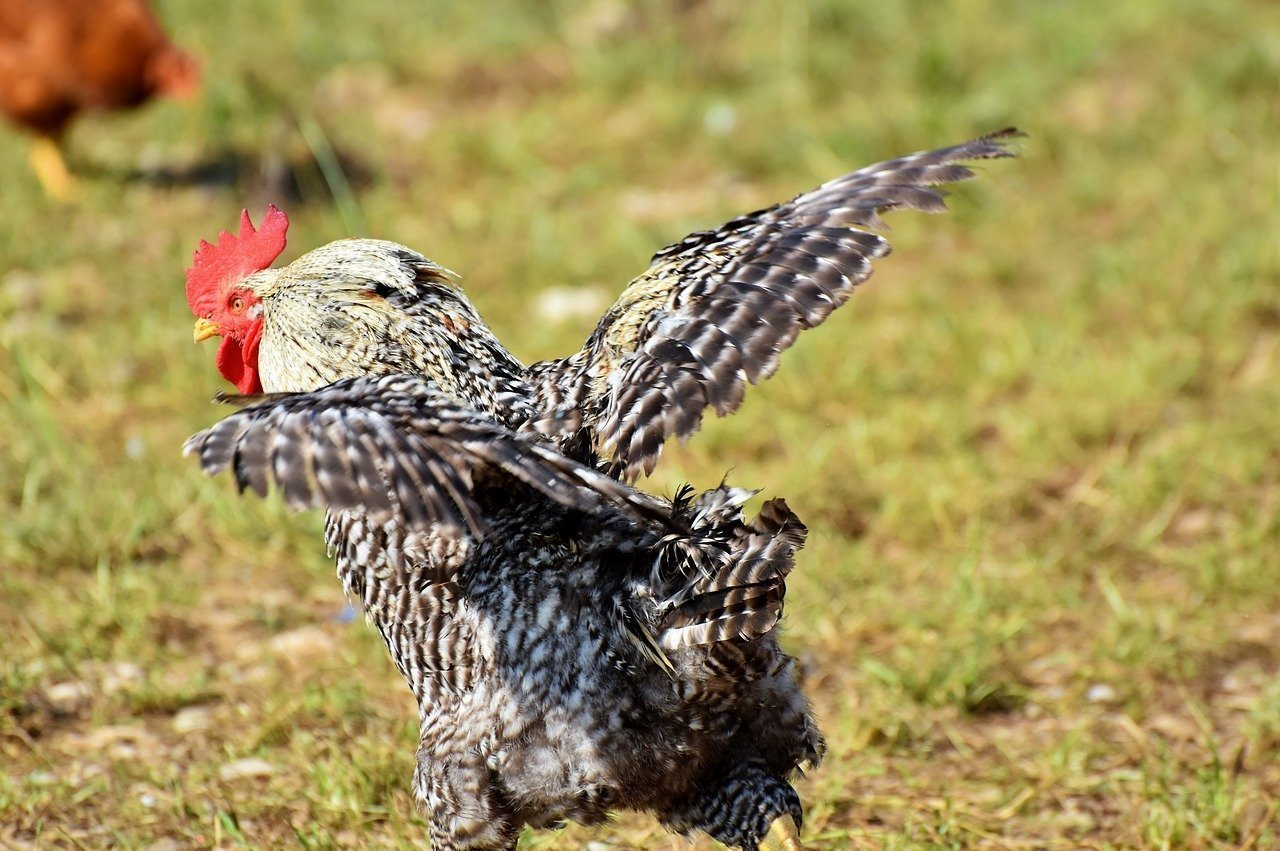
(714, 311)
(395, 447)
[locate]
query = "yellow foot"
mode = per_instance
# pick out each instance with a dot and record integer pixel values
(783, 835)
(51, 170)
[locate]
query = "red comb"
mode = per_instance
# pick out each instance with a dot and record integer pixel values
(233, 258)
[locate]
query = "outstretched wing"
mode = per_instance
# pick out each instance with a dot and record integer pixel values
(395, 447)
(714, 311)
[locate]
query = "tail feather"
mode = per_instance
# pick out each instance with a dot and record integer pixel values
(727, 593)
(741, 598)
(743, 626)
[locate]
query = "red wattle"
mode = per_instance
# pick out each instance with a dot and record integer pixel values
(239, 364)
(251, 343)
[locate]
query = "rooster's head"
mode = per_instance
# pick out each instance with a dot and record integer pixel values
(220, 294)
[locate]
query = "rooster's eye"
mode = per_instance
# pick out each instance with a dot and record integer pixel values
(237, 304)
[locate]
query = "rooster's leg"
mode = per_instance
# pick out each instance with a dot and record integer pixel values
(51, 169)
(783, 835)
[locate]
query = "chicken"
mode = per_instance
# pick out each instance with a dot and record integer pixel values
(575, 645)
(59, 57)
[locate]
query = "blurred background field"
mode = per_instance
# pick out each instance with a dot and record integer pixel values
(1038, 450)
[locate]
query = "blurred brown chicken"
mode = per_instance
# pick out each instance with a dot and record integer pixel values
(58, 57)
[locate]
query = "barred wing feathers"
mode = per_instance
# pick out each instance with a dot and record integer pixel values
(395, 447)
(714, 311)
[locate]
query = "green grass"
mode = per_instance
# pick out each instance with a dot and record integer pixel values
(1041, 603)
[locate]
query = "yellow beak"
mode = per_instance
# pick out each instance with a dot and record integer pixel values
(206, 329)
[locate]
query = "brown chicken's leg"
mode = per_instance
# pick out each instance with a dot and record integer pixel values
(783, 835)
(51, 169)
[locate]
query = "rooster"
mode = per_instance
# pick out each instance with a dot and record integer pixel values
(575, 645)
(59, 57)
